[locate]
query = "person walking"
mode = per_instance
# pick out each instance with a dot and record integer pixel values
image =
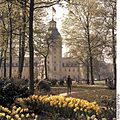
(69, 84)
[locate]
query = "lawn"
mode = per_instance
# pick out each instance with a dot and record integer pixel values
(88, 92)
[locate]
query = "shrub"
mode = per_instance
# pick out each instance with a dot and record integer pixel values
(111, 84)
(61, 82)
(108, 107)
(10, 91)
(53, 82)
(44, 85)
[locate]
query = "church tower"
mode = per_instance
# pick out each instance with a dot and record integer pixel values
(54, 58)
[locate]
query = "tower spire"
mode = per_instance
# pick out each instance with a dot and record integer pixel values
(53, 12)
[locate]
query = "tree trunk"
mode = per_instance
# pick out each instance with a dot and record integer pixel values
(90, 53)
(5, 56)
(91, 70)
(0, 62)
(99, 76)
(22, 54)
(114, 50)
(31, 48)
(88, 82)
(19, 53)
(5, 64)
(10, 27)
(45, 61)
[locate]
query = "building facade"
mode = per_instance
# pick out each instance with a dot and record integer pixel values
(58, 66)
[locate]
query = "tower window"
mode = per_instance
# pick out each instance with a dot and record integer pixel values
(16, 64)
(54, 68)
(54, 49)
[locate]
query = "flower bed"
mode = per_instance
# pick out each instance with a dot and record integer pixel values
(16, 113)
(67, 107)
(54, 107)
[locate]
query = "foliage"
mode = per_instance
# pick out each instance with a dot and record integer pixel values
(9, 91)
(111, 85)
(108, 107)
(44, 85)
(85, 38)
(53, 82)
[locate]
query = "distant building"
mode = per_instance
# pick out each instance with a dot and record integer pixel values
(58, 66)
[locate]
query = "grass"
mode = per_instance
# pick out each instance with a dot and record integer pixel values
(87, 92)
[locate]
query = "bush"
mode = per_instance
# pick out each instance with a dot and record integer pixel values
(61, 82)
(108, 107)
(53, 82)
(111, 84)
(9, 91)
(44, 86)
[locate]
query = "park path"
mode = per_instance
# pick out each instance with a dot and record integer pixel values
(65, 94)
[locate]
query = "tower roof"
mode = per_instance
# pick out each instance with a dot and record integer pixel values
(54, 31)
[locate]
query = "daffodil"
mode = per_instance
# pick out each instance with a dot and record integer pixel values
(22, 115)
(14, 107)
(33, 114)
(77, 108)
(8, 117)
(2, 114)
(16, 116)
(27, 115)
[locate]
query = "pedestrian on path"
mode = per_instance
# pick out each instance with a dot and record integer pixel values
(69, 84)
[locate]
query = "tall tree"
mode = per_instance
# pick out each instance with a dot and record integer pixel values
(4, 35)
(85, 35)
(110, 15)
(34, 6)
(11, 36)
(31, 48)
(22, 39)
